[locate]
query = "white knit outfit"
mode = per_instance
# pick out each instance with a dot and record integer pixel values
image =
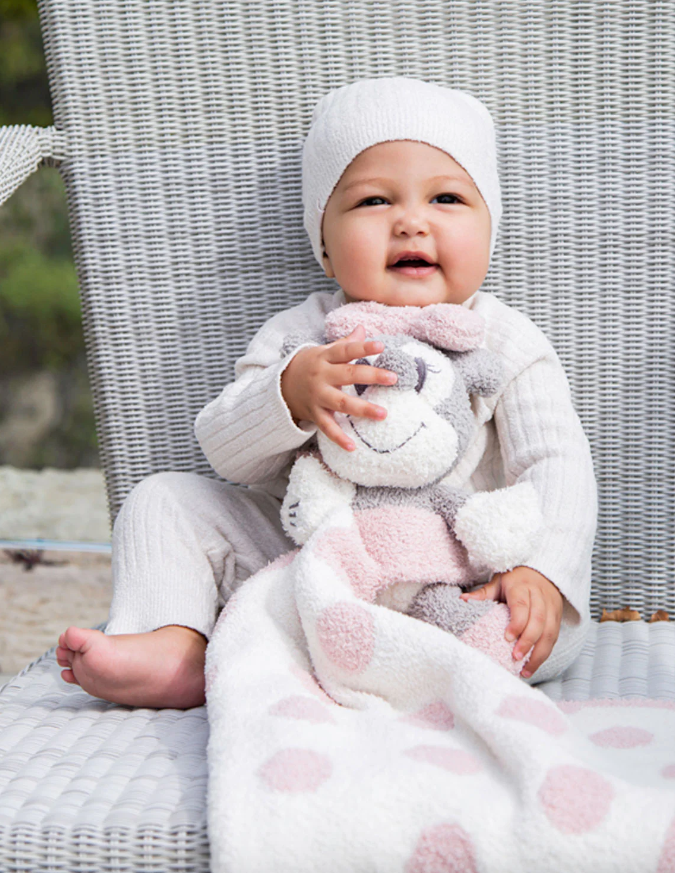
(182, 542)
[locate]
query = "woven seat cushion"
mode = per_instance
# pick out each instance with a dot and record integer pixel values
(115, 787)
(119, 788)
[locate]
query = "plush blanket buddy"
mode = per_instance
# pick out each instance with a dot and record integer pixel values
(420, 541)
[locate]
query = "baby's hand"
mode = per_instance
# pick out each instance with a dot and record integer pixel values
(311, 384)
(536, 611)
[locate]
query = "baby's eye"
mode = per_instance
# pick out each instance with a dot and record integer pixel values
(454, 197)
(368, 200)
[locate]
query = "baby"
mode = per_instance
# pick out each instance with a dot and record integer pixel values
(402, 205)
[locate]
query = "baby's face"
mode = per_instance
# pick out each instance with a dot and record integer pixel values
(406, 196)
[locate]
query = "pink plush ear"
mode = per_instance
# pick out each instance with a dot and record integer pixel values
(444, 325)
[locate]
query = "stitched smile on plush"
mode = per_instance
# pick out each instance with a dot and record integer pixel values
(374, 448)
(414, 445)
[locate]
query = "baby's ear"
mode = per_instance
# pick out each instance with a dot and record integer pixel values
(481, 371)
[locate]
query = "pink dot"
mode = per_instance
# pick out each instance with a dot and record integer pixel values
(283, 560)
(210, 678)
(622, 737)
(454, 760)
(667, 859)
(302, 708)
(574, 799)
(534, 712)
(296, 770)
(444, 848)
(344, 550)
(668, 772)
(311, 684)
(436, 716)
(346, 634)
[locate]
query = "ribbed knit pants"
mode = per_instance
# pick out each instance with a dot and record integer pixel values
(183, 543)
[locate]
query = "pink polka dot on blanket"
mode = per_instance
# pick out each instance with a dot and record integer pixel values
(346, 634)
(622, 737)
(210, 678)
(534, 712)
(668, 771)
(667, 859)
(444, 848)
(311, 684)
(575, 799)
(296, 770)
(302, 708)
(436, 716)
(453, 760)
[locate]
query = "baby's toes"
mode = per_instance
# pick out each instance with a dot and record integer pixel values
(69, 676)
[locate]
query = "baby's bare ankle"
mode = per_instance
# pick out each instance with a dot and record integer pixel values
(179, 632)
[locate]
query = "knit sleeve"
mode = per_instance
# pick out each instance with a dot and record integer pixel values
(247, 433)
(542, 441)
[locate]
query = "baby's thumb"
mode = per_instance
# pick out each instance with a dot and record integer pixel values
(485, 592)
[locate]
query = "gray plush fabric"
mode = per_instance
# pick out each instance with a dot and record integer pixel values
(443, 500)
(447, 502)
(480, 369)
(396, 360)
(457, 409)
(440, 604)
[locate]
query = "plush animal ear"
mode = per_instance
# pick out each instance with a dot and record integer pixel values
(481, 371)
(294, 340)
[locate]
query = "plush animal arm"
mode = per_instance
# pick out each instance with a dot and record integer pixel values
(500, 529)
(313, 493)
(447, 502)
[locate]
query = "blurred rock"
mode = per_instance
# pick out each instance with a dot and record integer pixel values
(65, 505)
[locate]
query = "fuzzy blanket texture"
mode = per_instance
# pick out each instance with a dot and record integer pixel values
(347, 737)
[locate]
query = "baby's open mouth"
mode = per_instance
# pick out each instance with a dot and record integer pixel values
(413, 267)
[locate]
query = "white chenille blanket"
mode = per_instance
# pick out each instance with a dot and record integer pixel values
(346, 737)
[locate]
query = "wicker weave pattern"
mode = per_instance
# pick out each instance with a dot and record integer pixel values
(92, 786)
(23, 149)
(185, 121)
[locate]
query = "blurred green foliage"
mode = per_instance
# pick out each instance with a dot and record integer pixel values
(24, 91)
(40, 315)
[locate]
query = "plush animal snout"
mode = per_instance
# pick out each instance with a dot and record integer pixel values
(411, 371)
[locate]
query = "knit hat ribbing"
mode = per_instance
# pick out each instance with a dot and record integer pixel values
(350, 119)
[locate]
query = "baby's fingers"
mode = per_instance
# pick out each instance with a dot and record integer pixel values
(347, 404)
(352, 347)
(535, 625)
(328, 426)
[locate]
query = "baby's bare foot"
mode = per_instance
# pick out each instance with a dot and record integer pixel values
(160, 669)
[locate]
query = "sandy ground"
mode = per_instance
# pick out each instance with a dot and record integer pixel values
(36, 605)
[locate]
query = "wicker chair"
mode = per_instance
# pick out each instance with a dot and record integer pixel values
(178, 129)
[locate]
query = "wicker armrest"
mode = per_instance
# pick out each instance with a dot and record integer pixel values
(23, 148)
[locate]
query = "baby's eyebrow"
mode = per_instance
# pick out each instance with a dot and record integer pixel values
(448, 178)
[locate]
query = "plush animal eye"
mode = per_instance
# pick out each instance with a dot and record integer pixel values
(361, 388)
(421, 373)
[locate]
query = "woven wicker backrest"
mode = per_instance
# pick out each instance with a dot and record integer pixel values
(182, 124)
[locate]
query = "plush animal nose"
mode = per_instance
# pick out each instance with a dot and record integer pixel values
(404, 365)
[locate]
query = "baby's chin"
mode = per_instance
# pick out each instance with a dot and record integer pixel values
(412, 293)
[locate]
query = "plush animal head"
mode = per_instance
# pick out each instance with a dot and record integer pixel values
(434, 350)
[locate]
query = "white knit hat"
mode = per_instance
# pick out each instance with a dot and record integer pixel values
(354, 117)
